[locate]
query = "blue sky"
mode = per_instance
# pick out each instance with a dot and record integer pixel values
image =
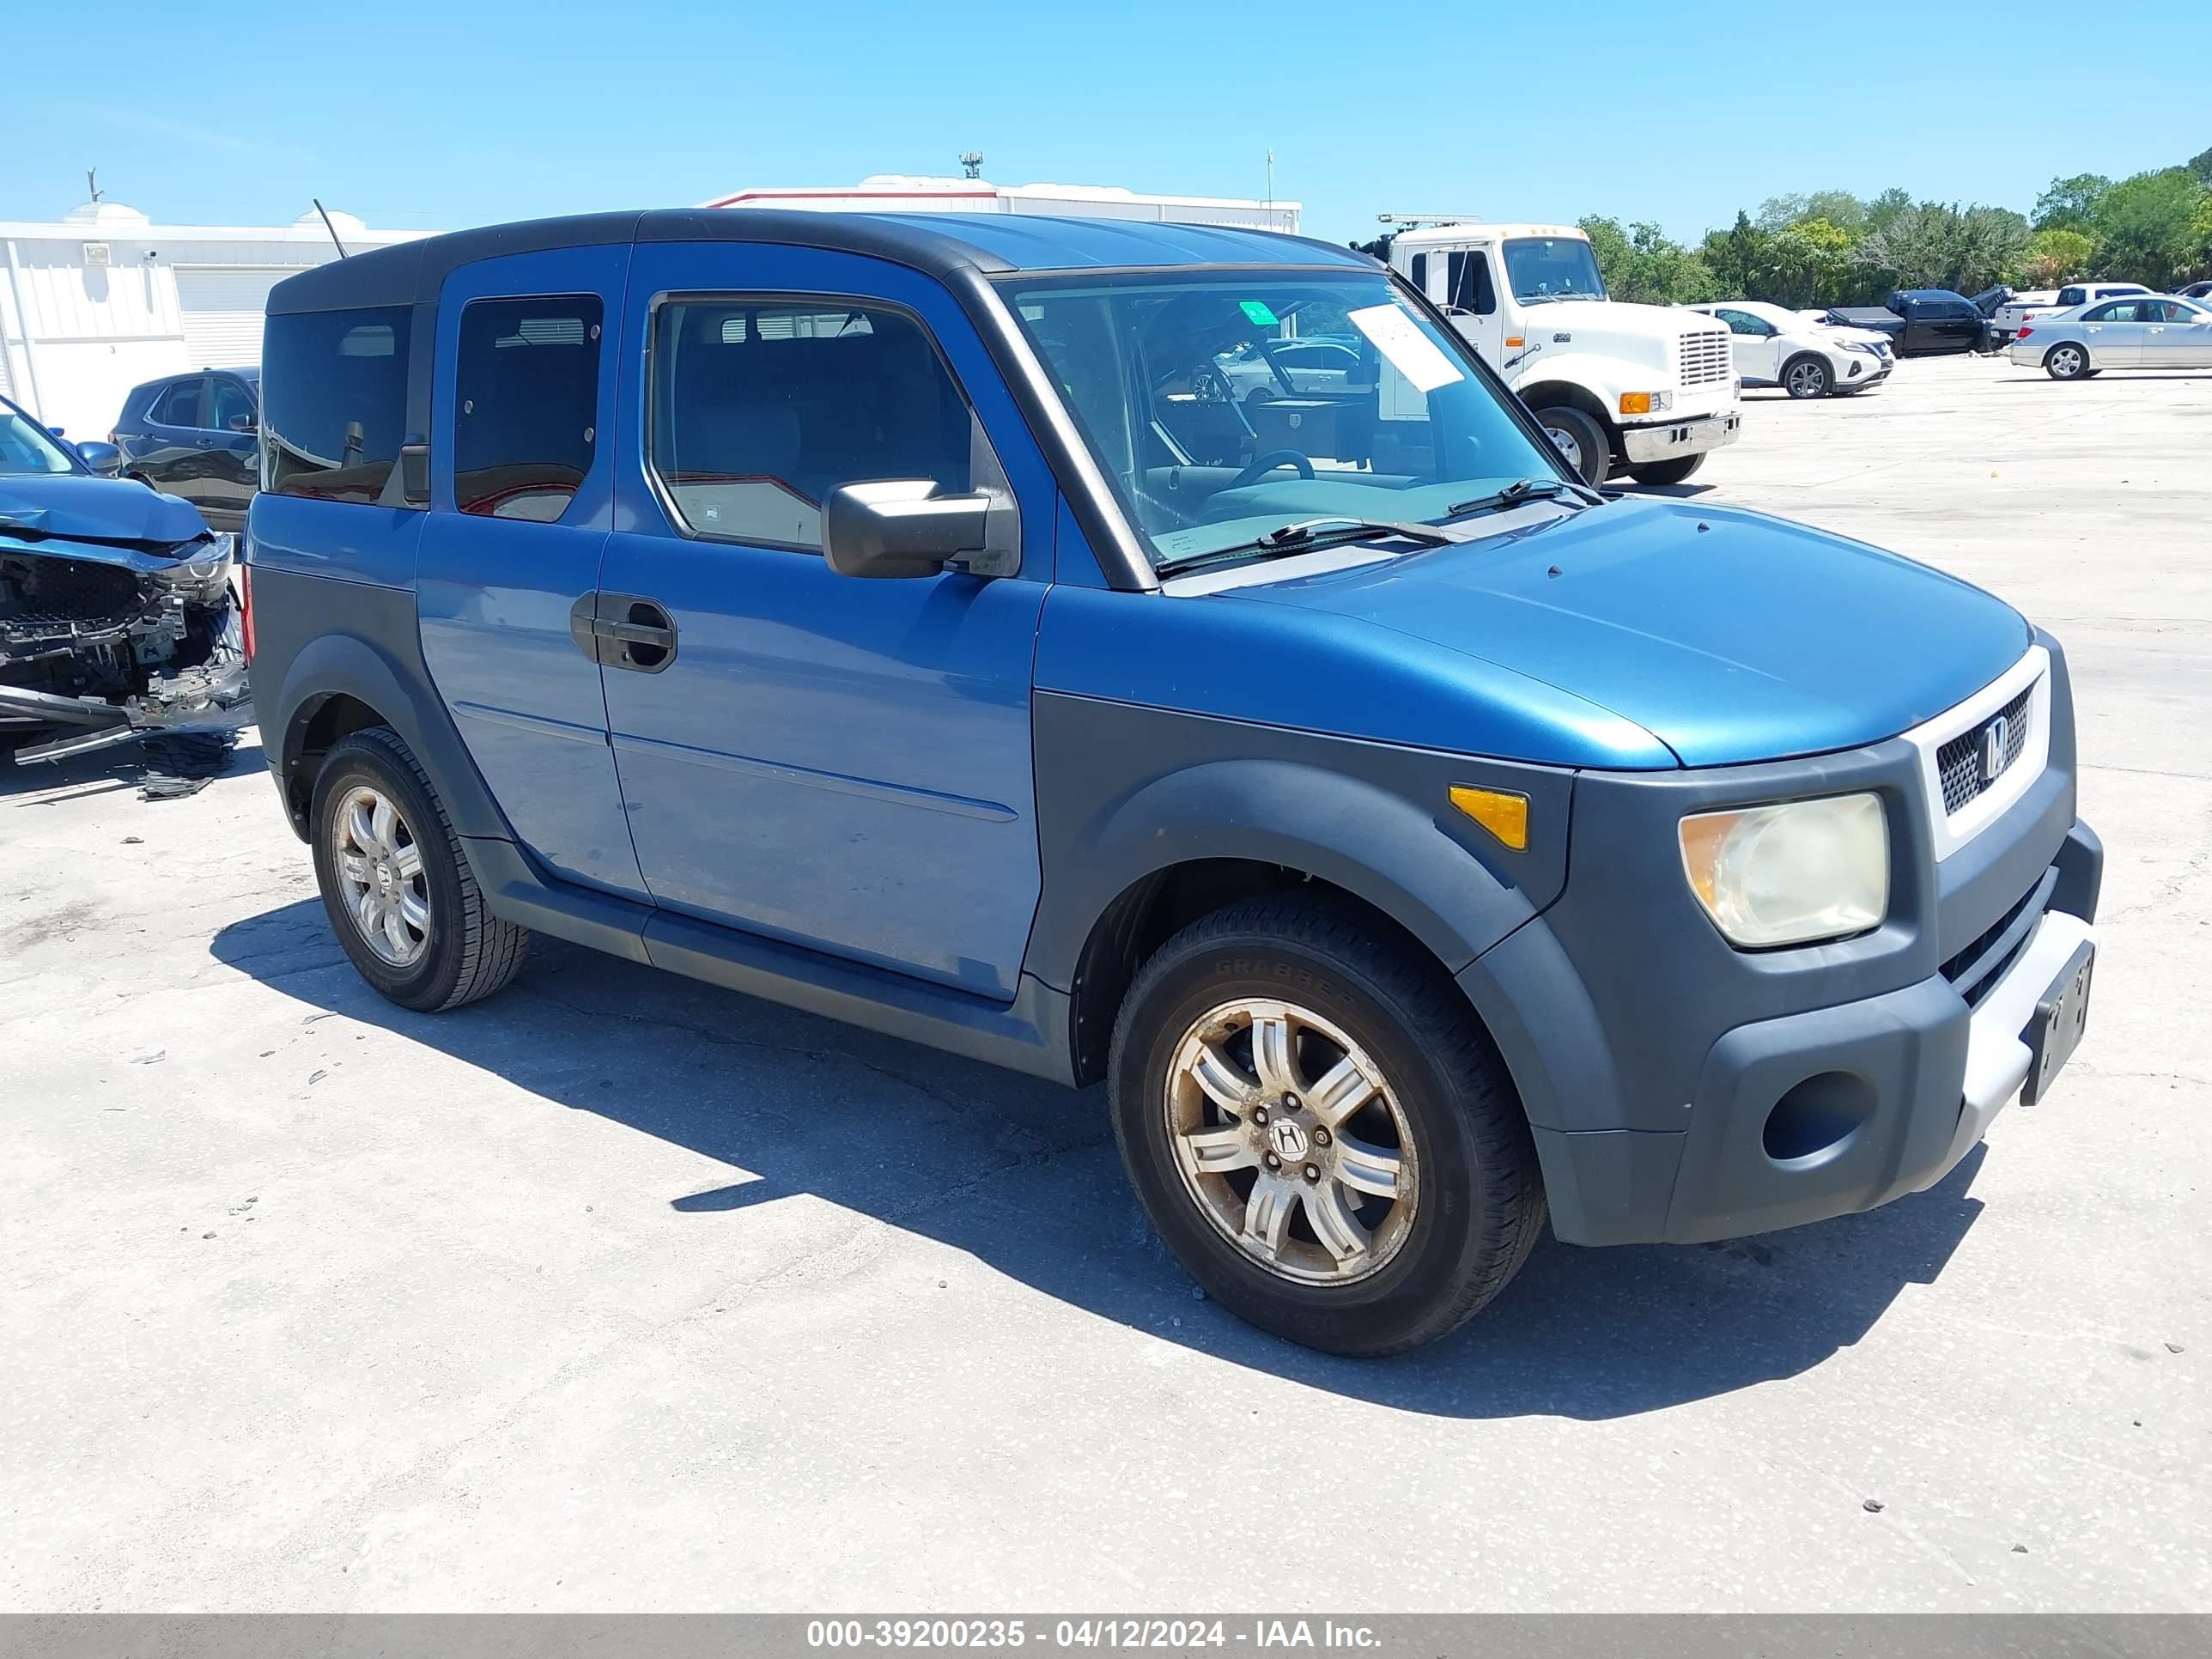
(464, 113)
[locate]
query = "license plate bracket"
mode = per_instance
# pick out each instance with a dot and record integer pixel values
(2062, 1014)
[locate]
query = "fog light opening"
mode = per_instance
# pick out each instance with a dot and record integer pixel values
(1817, 1116)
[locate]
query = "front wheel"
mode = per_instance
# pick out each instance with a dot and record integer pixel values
(2066, 362)
(1580, 441)
(1321, 1130)
(1807, 377)
(1666, 472)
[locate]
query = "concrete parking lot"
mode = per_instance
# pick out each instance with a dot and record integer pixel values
(620, 1292)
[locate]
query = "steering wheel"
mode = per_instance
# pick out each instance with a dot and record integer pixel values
(1268, 462)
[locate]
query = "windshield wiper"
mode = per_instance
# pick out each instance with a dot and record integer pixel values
(1307, 535)
(1525, 490)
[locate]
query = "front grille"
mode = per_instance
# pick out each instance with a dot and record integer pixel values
(40, 591)
(1961, 763)
(1975, 969)
(1705, 357)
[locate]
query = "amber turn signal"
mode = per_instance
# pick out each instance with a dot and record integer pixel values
(1502, 812)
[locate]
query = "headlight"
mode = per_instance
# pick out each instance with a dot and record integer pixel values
(1646, 403)
(1790, 874)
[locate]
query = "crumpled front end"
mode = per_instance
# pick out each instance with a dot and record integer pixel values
(105, 641)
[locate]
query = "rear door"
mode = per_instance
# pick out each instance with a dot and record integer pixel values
(2114, 333)
(166, 450)
(521, 499)
(841, 763)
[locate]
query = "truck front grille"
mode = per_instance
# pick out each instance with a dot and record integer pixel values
(1705, 357)
(1978, 757)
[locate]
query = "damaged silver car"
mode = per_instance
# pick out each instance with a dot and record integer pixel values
(120, 618)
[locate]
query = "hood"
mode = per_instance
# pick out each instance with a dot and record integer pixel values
(116, 511)
(1620, 319)
(1729, 635)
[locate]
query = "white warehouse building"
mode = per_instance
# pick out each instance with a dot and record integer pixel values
(106, 298)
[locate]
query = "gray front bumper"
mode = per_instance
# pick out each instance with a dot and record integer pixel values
(1672, 440)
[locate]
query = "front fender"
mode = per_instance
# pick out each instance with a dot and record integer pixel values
(1599, 374)
(1125, 794)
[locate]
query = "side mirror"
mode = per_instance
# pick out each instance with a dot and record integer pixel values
(106, 459)
(902, 528)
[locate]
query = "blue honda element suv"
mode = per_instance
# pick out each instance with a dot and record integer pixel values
(905, 618)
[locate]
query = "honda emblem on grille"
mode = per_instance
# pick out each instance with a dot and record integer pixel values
(1995, 742)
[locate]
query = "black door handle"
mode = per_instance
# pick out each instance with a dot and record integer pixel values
(624, 631)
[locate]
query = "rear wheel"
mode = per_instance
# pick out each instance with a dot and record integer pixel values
(1806, 376)
(400, 895)
(2066, 362)
(1666, 472)
(1321, 1130)
(1580, 441)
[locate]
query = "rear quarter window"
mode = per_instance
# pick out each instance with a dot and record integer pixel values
(334, 402)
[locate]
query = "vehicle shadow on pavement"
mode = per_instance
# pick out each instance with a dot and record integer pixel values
(1023, 1176)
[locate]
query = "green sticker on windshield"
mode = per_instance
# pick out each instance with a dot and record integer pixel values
(1258, 311)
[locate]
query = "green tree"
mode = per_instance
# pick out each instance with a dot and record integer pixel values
(1885, 208)
(1933, 245)
(2056, 256)
(1640, 263)
(2071, 203)
(1736, 257)
(2147, 227)
(2200, 166)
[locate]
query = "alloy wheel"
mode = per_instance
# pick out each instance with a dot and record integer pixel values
(1291, 1142)
(380, 876)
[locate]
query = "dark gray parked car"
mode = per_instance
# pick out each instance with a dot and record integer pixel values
(197, 436)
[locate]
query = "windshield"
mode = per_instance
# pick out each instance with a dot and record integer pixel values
(1552, 268)
(26, 451)
(1225, 405)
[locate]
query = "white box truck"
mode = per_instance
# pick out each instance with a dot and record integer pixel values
(1648, 390)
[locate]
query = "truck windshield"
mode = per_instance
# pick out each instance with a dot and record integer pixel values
(1226, 405)
(1542, 268)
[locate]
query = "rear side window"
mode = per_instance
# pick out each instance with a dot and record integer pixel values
(177, 405)
(760, 408)
(333, 402)
(525, 404)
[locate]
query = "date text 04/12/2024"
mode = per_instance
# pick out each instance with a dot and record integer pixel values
(1163, 1634)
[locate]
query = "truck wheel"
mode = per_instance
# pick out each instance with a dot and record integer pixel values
(1806, 376)
(401, 897)
(1320, 1129)
(2066, 362)
(1581, 441)
(1666, 472)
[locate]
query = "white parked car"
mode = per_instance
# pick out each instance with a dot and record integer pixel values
(1775, 346)
(2153, 331)
(2023, 308)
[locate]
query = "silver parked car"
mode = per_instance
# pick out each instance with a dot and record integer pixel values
(2153, 331)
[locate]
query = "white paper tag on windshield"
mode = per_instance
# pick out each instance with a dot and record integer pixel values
(1410, 352)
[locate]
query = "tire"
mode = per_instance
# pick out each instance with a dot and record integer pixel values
(1666, 472)
(1425, 1263)
(2066, 362)
(1808, 375)
(460, 950)
(1580, 441)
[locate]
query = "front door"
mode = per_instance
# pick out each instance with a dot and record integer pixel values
(838, 762)
(2179, 337)
(1752, 341)
(522, 497)
(234, 453)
